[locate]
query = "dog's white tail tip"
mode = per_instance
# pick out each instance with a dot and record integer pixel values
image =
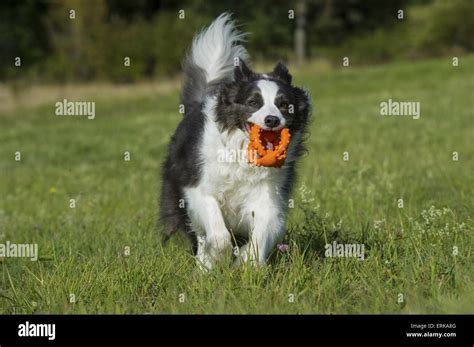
(217, 48)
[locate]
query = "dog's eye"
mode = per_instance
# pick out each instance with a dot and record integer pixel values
(284, 105)
(252, 103)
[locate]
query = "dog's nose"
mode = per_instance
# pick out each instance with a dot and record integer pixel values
(272, 121)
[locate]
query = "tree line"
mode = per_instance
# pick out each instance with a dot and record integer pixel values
(125, 41)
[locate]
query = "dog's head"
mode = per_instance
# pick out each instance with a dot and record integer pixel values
(268, 100)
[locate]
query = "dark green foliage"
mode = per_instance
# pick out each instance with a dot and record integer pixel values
(22, 34)
(451, 24)
(93, 46)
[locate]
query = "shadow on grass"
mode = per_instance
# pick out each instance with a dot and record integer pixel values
(316, 231)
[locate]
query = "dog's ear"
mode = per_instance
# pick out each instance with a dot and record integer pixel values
(281, 72)
(242, 72)
(303, 107)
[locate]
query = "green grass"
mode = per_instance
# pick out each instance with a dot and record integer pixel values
(409, 251)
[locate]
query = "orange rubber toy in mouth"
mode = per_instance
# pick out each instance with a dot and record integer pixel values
(268, 148)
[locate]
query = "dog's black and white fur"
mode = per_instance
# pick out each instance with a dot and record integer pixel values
(212, 199)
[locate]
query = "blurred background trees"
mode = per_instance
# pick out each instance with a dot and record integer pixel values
(94, 45)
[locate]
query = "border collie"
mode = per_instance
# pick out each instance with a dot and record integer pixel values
(214, 197)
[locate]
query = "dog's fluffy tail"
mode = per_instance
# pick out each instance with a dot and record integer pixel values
(211, 59)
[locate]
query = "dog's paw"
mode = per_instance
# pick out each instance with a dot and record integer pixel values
(248, 254)
(212, 249)
(204, 262)
(219, 245)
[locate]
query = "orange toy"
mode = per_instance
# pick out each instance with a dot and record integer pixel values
(268, 148)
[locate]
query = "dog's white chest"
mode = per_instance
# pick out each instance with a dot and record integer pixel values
(231, 180)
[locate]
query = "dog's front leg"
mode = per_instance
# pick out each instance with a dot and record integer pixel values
(214, 240)
(267, 225)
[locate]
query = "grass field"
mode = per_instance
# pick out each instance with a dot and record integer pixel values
(418, 259)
